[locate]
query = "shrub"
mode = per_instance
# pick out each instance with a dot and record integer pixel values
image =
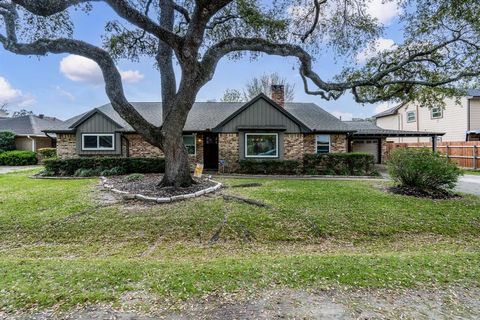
(270, 167)
(87, 172)
(115, 171)
(68, 167)
(353, 164)
(7, 141)
(134, 177)
(422, 169)
(18, 158)
(47, 153)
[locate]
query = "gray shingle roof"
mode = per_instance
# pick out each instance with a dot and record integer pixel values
(29, 125)
(389, 112)
(473, 92)
(369, 128)
(207, 115)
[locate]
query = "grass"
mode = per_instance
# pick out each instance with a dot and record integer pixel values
(474, 172)
(58, 247)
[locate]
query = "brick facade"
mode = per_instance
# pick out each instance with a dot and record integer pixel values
(228, 150)
(137, 147)
(293, 146)
(338, 143)
(66, 146)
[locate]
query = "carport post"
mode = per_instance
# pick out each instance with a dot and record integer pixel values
(434, 143)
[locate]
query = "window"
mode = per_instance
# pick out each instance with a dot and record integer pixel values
(322, 143)
(437, 112)
(98, 141)
(261, 145)
(411, 116)
(189, 142)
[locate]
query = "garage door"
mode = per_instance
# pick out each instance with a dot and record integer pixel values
(367, 146)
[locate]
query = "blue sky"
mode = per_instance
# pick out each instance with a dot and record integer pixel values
(64, 86)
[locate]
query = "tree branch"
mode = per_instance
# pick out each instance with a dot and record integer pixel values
(332, 90)
(121, 7)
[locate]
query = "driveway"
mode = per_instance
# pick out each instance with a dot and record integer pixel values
(7, 169)
(469, 183)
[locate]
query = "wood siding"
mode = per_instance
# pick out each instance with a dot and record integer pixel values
(475, 114)
(98, 124)
(261, 114)
(453, 123)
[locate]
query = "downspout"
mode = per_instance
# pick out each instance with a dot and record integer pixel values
(468, 118)
(127, 145)
(417, 119)
(33, 142)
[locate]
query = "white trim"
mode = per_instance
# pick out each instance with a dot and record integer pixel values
(439, 110)
(194, 135)
(414, 116)
(329, 143)
(261, 134)
(98, 141)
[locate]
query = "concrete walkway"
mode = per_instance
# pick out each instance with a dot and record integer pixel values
(469, 183)
(7, 169)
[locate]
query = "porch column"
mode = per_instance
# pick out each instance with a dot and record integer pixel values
(434, 143)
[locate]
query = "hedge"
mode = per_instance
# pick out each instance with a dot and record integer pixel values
(18, 158)
(352, 164)
(270, 167)
(47, 153)
(68, 167)
(7, 141)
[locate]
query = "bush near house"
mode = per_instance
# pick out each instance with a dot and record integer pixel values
(18, 158)
(7, 141)
(270, 167)
(47, 153)
(423, 170)
(101, 166)
(353, 164)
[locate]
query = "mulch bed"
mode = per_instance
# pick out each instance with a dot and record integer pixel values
(431, 194)
(147, 186)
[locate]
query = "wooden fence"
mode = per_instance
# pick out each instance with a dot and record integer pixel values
(465, 154)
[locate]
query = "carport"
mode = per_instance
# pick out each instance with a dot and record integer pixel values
(370, 138)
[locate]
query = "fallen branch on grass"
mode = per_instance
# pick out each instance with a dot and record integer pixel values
(245, 200)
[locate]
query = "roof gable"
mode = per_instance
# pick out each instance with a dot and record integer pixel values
(265, 113)
(89, 115)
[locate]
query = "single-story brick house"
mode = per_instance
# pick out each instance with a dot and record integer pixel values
(29, 135)
(223, 133)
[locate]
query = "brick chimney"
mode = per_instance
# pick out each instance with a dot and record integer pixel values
(278, 94)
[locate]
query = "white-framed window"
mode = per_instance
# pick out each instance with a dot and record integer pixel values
(98, 141)
(322, 143)
(261, 145)
(436, 112)
(411, 116)
(189, 142)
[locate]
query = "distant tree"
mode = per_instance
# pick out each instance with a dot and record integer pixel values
(3, 110)
(255, 86)
(21, 113)
(232, 95)
(264, 84)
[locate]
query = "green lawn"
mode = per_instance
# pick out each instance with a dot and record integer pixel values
(60, 247)
(475, 172)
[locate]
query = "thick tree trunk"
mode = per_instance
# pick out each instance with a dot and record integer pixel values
(177, 169)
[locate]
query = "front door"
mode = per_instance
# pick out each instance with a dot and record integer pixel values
(210, 151)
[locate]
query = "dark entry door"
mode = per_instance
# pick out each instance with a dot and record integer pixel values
(210, 151)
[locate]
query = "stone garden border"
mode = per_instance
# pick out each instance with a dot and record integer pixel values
(142, 197)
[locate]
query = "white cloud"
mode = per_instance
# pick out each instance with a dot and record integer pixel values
(64, 93)
(131, 76)
(383, 106)
(12, 96)
(81, 69)
(385, 11)
(374, 48)
(346, 116)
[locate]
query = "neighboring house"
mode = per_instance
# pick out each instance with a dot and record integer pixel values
(218, 132)
(460, 121)
(28, 131)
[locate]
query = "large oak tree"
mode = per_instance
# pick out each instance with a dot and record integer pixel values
(439, 48)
